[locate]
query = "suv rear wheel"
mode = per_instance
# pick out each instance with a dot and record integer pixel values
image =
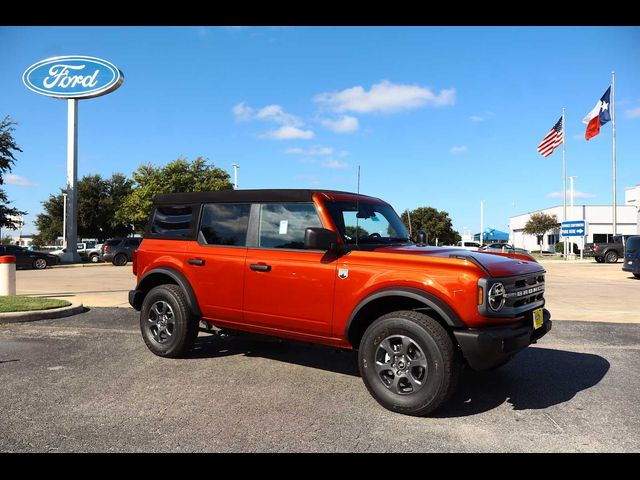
(120, 260)
(168, 326)
(94, 258)
(599, 259)
(611, 257)
(408, 363)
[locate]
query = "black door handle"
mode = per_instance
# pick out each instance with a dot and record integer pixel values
(260, 267)
(196, 261)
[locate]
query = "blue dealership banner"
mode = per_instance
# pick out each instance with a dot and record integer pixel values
(74, 76)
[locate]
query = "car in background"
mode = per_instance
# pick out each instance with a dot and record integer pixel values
(473, 246)
(632, 256)
(93, 254)
(607, 252)
(119, 251)
(502, 247)
(29, 259)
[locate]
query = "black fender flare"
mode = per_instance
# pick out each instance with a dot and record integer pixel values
(428, 299)
(177, 277)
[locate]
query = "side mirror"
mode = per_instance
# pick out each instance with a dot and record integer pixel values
(422, 237)
(316, 238)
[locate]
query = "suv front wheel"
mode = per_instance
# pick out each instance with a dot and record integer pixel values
(168, 327)
(408, 363)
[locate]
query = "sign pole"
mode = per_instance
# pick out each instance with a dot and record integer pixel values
(612, 110)
(71, 232)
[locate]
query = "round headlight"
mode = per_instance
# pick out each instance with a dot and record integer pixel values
(497, 297)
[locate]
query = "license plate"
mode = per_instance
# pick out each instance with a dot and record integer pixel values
(538, 318)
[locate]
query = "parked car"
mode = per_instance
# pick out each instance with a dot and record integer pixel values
(83, 249)
(93, 254)
(608, 252)
(502, 247)
(29, 259)
(119, 251)
(339, 269)
(472, 246)
(632, 256)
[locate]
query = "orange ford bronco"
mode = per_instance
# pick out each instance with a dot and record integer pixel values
(339, 269)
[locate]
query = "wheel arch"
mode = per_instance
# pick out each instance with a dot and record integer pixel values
(392, 299)
(162, 276)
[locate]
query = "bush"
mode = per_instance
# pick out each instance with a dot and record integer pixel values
(560, 248)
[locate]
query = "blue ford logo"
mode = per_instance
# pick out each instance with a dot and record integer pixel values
(73, 76)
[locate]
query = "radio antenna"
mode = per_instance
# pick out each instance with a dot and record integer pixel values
(358, 207)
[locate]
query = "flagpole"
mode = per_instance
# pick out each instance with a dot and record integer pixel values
(564, 181)
(613, 124)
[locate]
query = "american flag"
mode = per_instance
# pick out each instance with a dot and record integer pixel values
(554, 138)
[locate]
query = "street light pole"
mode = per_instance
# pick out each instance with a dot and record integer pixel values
(235, 175)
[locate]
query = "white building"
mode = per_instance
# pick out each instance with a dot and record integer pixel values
(598, 218)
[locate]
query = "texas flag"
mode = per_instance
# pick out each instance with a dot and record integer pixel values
(598, 116)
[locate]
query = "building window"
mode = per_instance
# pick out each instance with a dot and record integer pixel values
(553, 239)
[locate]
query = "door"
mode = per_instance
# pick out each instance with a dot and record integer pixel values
(215, 263)
(287, 287)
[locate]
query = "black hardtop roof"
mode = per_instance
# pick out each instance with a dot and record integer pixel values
(261, 195)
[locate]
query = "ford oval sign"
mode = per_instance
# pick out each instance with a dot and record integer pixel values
(73, 76)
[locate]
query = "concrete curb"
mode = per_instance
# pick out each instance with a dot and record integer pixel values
(76, 265)
(33, 315)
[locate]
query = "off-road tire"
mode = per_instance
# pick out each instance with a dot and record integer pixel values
(637, 275)
(611, 256)
(442, 360)
(120, 260)
(185, 324)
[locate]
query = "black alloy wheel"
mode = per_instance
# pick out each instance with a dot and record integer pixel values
(408, 362)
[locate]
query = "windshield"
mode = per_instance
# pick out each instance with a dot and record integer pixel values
(365, 222)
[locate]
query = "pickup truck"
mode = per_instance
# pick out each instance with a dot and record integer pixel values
(608, 252)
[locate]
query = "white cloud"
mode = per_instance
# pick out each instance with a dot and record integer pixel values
(477, 118)
(632, 113)
(291, 124)
(313, 151)
(576, 194)
(344, 124)
(460, 149)
(333, 163)
(288, 132)
(278, 115)
(11, 179)
(243, 112)
(385, 97)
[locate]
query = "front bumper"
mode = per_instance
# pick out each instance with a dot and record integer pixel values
(488, 347)
(135, 299)
(631, 265)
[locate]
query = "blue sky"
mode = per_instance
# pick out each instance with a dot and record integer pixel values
(435, 116)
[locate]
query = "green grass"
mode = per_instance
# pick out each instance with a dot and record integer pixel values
(546, 256)
(25, 304)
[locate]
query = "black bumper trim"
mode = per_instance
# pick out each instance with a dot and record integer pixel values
(484, 348)
(135, 299)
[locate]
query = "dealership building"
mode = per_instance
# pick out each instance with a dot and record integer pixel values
(598, 218)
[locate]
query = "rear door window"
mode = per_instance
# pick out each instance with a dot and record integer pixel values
(224, 224)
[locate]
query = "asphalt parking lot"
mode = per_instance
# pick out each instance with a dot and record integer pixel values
(88, 383)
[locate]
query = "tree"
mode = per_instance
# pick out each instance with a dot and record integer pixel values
(98, 201)
(180, 175)
(7, 240)
(7, 159)
(435, 223)
(539, 224)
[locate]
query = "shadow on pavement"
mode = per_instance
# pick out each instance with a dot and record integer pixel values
(307, 355)
(536, 378)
